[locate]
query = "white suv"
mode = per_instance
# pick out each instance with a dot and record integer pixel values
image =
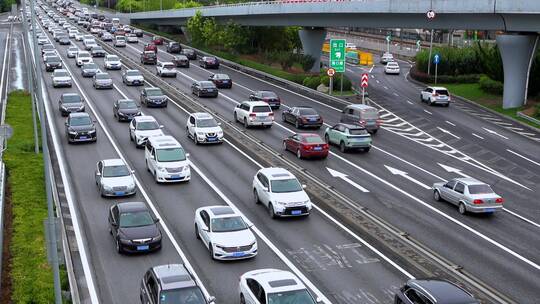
(120, 41)
(273, 286)
(112, 62)
(83, 57)
(435, 95)
(254, 113)
(203, 128)
(225, 233)
(392, 68)
(166, 69)
(280, 192)
(143, 127)
(167, 160)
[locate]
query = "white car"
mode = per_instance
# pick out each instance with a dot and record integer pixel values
(114, 178)
(273, 286)
(386, 58)
(79, 37)
(203, 128)
(254, 113)
(120, 41)
(42, 40)
(49, 53)
(61, 78)
(72, 33)
(281, 192)
(132, 38)
(133, 77)
(72, 51)
(112, 62)
(166, 69)
(435, 95)
(166, 160)
(107, 37)
(392, 68)
(89, 44)
(225, 233)
(143, 127)
(83, 57)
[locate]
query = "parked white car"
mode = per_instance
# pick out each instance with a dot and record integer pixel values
(254, 113)
(166, 69)
(225, 233)
(203, 128)
(114, 178)
(392, 68)
(281, 192)
(143, 127)
(112, 62)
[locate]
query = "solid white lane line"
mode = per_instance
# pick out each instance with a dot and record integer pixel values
(385, 87)
(377, 80)
(525, 158)
(450, 123)
(410, 102)
(396, 94)
(522, 217)
(476, 135)
(428, 112)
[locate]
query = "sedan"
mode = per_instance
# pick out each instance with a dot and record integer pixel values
(173, 47)
(132, 38)
(222, 81)
(89, 69)
(42, 40)
(102, 81)
(107, 37)
(61, 78)
(225, 233)
(133, 228)
(112, 62)
(153, 97)
(126, 109)
(392, 68)
(469, 194)
(64, 40)
(132, 77)
(138, 32)
(70, 103)
(157, 40)
(348, 137)
(114, 178)
(190, 53)
(72, 51)
(80, 128)
(271, 98)
(414, 291)
(181, 61)
(97, 51)
(209, 62)
(302, 117)
(204, 88)
(306, 145)
(52, 63)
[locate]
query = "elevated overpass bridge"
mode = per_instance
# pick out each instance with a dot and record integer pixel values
(517, 20)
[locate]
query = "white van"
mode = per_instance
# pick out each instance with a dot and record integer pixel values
(166, 160)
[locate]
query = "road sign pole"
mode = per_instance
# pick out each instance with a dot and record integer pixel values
(341, 86)
(331, 84)
(436, 65)
(363, 95)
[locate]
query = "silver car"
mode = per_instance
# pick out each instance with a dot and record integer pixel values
(469, 194)
(61, 78)
(103, 81)
(114, 178)
(72, 51)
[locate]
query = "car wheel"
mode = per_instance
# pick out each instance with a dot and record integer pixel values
(375, 131)
(242, 300)
(197, 235)
(367, 149)
(283, 118)
(147, 167)
(235, 117)
(342, 147)
(437, 196)
(156, 177)
(199, 94)
(271, 211)
(119, 247)
(195, 140)
(211, 249)
(246, 123)
(285, 145)
(461, 208)
(447, 105)
(430, 102)
(297, 124)
(298, 154)
(326, 138)
(256, 197)
(101, 191)
(421, 98)
(130, 137)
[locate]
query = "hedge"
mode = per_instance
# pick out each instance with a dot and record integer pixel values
(490, 86)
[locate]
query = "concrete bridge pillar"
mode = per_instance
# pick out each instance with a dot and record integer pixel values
(517, 52)
(312, 42)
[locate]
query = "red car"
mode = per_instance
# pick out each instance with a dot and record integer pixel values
(306, 145)
(150, 47)
(157, 40)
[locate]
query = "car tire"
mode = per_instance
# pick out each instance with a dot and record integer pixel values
(283, 118)
(436, 196)
(430, 102)
(147, 167)
(461, 208)
(366, 150)
(298, 154)
(421, 98)
(242, 299)
(297, 124)
(211, 250)
(235, 117)
(155, 176)
(326, 138)
(246, 125)
(197, 235)
(342, 147)
(256, 197)
(130, 138)
(195, 140)
(375, 131)
(101, 191)
(199, 94)
(118, 247)
(285, 145)
(271, 211)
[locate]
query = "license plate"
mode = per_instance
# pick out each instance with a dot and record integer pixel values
(489, 210)
(317, 148)
(238, 254)
(143, 247)
(313, 119)
(212, 139)
(83, 137)
(119, 193)
(176, 176)
(296, 212)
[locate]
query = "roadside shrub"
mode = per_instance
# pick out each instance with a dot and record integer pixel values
(336, 85)
(312, 82)
(489, 85)
(537, 110)
(306, 61)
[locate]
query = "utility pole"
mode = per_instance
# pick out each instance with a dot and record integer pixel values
(430, 50)
(46, 162)
(160, 5)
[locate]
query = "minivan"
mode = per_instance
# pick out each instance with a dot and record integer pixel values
(166, 159)
(362, 115)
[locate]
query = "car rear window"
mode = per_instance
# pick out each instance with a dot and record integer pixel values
(307, 112)
(207, 84)
(313, 139)
(480, 189)
(442, 92)
(261, 109)
(357, 131)
(269, 94)
(168, 66)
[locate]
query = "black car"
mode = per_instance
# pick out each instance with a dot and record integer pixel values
(190, 54)
(209, 62)
(126, 109)
(271, 98)
(222, 81)
(302, 117)
(172, 283)
(174, 47)
(80, 128)
(133, 228)
(153, 97)
(204, 89)
(181, 61)
(70, 103)
(97, 51)
(138, 32)
(431, 291)
(89, 69)
(64, 40)
(52, 63)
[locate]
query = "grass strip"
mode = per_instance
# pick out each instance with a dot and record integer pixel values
(31, 276)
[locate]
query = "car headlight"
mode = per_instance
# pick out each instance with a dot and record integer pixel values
(281, 203)
(81, 107)
(106, 187)
(200, 133)
(220, 246)
(220, 133)
(157, 238)
(91, 131)
(72, 132)
(185, 168)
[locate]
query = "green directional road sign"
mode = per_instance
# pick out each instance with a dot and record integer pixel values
(337, 55)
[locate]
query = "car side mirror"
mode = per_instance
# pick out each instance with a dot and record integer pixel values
(132, 171)
(98, 174)
(219, 124)
(156, 221)
(265, 189)
(319, 300)
(187, 155)
(211, 299)
(161, 126)
(304, 186)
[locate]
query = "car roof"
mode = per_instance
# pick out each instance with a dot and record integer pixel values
(470, 181)
(113, 162)
(275, 280)
(144, 118)
(201, 115)
(277, 173)
(131, 206)
(60, 70)
(443, 292)
(360, 106)
(256, 103)
(438, 88)
(173, 276)
(221, 211)
(164, 141)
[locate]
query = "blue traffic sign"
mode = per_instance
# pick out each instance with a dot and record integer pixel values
(436, 59)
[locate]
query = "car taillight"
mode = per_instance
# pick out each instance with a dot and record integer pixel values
(478, 202)
(306, 147)
(362, 122)
(435, 94)
(499, 200)
(325, 146)
(252, 114)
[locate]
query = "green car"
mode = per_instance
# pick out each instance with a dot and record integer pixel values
(348, 137)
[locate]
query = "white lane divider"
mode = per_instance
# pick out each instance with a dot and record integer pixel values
(476, 135)
(450, 123)
(525, 158)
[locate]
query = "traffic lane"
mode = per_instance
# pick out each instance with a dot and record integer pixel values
(110, 268)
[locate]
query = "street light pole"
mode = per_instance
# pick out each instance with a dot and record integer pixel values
(430, 50)
(46, 162)
(160, 5)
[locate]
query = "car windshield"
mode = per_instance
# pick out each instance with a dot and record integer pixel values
(480, 189)
(147, 125)
(84, 55)
(53, 59)
(261, 109)
(154, 92)
(112, 58)
(307, 112)
(188, 295)
(285, 185)
(133, 73)
(61, 74)
(127, 105)
(207, 123)
(228, 224)
(313, 139)
(269, 94)
(135, 219)
(170, 154)
(289, 297)
(71, 99)
(80, 121)
(115, 171)
(357, 131)
(102, 76)
(90, 66)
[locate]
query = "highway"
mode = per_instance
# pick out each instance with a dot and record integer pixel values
(500, 249)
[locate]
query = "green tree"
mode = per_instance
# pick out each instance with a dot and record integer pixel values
(195, 28)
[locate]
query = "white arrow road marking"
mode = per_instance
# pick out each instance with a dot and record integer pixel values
(453, 170)
(344, 177)
(494, 133)
(525, 158)
(405, 175)
(448, 132)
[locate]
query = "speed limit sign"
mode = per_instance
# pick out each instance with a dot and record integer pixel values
(430, 14)
(330, 72)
